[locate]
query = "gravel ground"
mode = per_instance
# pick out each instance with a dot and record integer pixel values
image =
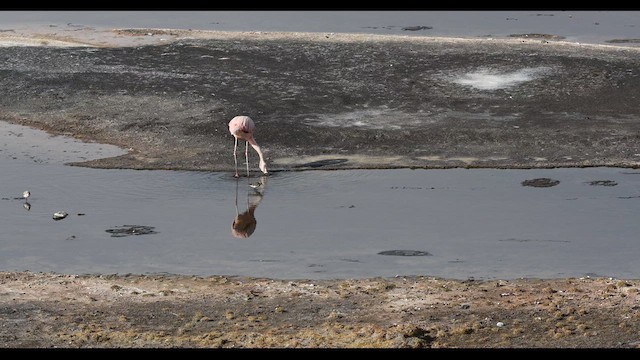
(42, 310)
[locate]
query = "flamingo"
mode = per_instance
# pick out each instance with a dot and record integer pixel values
(242, 127)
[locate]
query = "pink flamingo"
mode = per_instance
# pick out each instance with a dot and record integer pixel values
(242, 127)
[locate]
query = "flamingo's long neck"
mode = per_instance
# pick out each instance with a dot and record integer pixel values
(254, 145)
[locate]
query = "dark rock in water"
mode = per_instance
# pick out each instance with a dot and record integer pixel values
(404, 253)
(127, 230)
(603, 183)
(416, 28)
(541, 182)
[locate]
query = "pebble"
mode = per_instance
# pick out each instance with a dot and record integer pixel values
(59, 215)
(500, 324)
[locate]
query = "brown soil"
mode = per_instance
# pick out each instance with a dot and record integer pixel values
(45, 310)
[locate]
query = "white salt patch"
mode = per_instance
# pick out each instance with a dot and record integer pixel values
(494, 80)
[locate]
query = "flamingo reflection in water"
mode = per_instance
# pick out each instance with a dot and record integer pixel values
(244, 224)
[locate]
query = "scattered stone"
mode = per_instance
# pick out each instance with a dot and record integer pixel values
(500, 324)
(59, 215)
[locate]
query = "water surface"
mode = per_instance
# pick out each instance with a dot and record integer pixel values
(579, 26)
(459, 223)
(480, 223)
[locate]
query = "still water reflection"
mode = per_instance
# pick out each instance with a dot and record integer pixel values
(481, 223)
(245, 224)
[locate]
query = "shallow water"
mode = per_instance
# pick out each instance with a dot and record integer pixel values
(456, 223)
(579, 26)
(460, 223)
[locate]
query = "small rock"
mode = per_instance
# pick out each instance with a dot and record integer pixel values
(59, 215)
(603, 183)
(499, 324)
(541, 182)
(465, 306)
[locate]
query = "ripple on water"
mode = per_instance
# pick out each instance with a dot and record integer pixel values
(319, 182)
(146, 184)
(478, 222)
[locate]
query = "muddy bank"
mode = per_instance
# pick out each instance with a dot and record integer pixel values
(352, 101)
(42, 310)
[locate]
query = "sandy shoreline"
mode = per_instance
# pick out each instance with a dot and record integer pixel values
(127, 37)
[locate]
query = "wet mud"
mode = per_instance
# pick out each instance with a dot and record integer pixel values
(377, 101)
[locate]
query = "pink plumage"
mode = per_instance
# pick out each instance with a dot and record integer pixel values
(243, 128)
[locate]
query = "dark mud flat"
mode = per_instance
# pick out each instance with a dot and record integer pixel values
(379, 102)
